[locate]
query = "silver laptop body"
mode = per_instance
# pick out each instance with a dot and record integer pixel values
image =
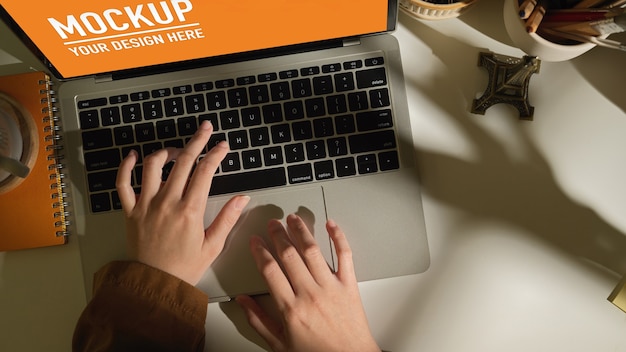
(376, 200)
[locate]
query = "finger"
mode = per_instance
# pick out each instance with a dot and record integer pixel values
(268, 328)
(345, 265)
(200, 183)
(309, 250)
(153, 171)
(277, 282)
(185, 161)
(292, 263)
(217, 232)
(123, 182)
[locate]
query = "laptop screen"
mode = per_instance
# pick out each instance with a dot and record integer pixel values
(81, 38)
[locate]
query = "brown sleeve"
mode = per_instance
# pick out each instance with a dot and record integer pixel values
(136, 307)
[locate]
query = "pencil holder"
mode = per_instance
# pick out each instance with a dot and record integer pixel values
(534, 44)
(433, 10)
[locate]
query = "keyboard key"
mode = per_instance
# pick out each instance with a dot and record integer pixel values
(216, 100)
(215, 139)
(345, 167)
(366, 164)
(344, 81)
(371, 78)
(310, 71)
(294, 153)
(150, 148)
(229, 119)
(174, 143)
(152, 110)
(323, 127)
(302, 130)
(280, 91)
(212, 117)
(243, 81)
(92, 103)
(102, 181)
(248, 181)
(379, 98)
(259, 94)
(288, 74)
(251, 159)
(300, 173)
(182, 89)
(102, 159)
(377, 61)
(336, 104)
(131, 113)
(195, 104)
(174, 106)
(144, 132)
(388, 160)
(369, 142)
(110, 116)
(161, 93)
(281, 133)
(118, 99)
(374, 120)
(237, 97)
(323, 85)
(259, 136)
(301, 88)
(225, 83)
(140, 96)
(272, 156)
(126, 151)
(272, 113)
(331, 68)
(357, 101)
(315, 107)
(251, 116)
(337, 146)
(315, 150)
(324, 170)
(89, 119)
(267, 77)
(238, 140)
(203, 87)
(123, 135)
(166, 129)
(187, 126)
(231, 162)
(351, 65)
(97, 139)
(345, 124)
(100, 202)
(294, 110)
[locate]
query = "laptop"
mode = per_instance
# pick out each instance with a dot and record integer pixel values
(309, 94)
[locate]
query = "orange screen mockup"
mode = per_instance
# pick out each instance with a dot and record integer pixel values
(84, 37)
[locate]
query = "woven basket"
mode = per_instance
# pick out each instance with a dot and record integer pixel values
(429, 11)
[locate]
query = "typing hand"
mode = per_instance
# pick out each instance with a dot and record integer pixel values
(164, 224)
(320, 310)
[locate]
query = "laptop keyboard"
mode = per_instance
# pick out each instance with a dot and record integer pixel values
(305, 124)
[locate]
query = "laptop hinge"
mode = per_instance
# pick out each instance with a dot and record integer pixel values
(103, 78)
(351, 41)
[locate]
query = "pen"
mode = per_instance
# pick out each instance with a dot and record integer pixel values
(580, 15)
(585, 4)
(618, 3)
(612, 44)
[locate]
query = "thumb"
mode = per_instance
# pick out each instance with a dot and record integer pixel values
(264, 325)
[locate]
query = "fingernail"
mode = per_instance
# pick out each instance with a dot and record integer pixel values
(241, 202)
(205, 125)
(331, 223)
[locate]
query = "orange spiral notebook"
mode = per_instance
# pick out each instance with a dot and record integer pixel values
(33, 209)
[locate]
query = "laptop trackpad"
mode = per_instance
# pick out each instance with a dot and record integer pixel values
(234, 272)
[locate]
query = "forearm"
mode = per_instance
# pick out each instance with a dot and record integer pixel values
(137, 307)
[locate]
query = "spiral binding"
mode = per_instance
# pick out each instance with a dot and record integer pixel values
(53, 136)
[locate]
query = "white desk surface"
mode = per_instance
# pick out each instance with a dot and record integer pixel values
(525, 220)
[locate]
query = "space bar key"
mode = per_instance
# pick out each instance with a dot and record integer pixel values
(248, 181)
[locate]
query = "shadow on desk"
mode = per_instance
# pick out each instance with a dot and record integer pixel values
(495, 185)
